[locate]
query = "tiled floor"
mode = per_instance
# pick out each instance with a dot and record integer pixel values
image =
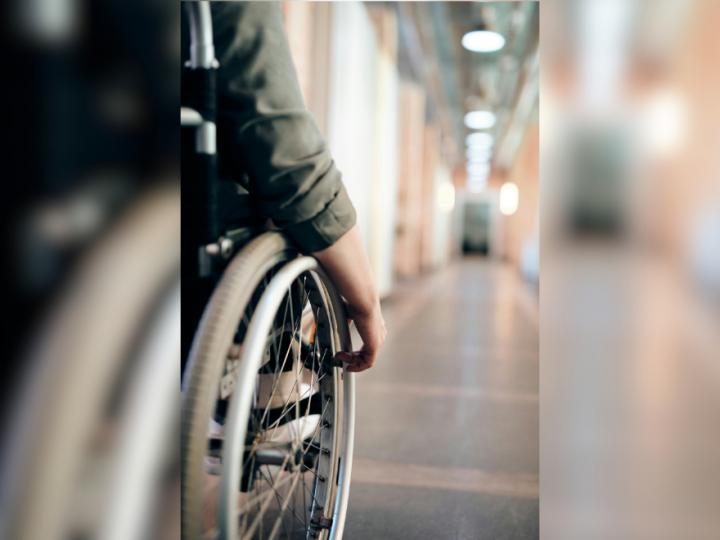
(447, 421)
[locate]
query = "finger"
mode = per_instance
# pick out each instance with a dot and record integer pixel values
(358, 368)
(366, 361)
(343, 356)
(348, 358)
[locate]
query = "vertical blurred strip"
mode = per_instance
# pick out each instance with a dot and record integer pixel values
(630, 269)
(92, 228)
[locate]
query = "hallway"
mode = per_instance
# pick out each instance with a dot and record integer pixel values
(447, 421)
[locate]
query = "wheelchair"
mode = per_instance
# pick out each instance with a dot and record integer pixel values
(267, 414)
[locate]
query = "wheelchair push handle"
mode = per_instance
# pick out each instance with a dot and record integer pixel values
(202, 48)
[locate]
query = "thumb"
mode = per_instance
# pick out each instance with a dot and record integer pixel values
(348, 357)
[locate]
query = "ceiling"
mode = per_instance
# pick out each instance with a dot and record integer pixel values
(458, 80)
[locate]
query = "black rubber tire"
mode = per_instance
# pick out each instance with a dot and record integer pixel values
(207, 357)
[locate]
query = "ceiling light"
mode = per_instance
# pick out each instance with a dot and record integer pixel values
(479, 140)
(476, 184)
(477, 178)
(478, 168)
(476, 187)
(483, 41)
(478, 153)
(480, 119)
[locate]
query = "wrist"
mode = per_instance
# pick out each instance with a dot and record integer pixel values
(365, 307)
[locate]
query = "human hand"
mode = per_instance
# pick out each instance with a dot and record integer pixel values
(371, 327)
(347, 264)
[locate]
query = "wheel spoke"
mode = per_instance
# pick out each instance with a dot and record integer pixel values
(264, 506)
(259, 499)
(284, 506)
(288, 434)
(277, 379)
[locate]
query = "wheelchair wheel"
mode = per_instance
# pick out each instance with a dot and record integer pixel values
(264, 406)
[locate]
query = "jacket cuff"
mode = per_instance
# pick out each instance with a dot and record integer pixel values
(325, 228)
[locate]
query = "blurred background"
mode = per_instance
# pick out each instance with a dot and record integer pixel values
(630, 243)
(426, 130)
(430, 110)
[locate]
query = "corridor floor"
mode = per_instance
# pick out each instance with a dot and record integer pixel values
(446, 442)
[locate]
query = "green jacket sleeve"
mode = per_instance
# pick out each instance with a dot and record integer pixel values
(272, 136)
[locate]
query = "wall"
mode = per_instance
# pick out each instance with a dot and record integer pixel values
(442, 218)
(384, 180)
(410, 173)
(522, 227)
(378, 132)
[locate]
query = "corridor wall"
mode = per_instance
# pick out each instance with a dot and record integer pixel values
(442, 221)
(362, 123)
(384, 144)
(384, 181)
(521, 230)
(410, 178)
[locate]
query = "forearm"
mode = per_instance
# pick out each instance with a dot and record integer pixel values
(348, 266)
(266, 132)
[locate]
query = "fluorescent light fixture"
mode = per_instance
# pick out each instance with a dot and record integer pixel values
(477, 181)
(476, 184)
(476, 153)
(478, 168)
(479, 140)
(479, 119)
(483, 41)
(509, 198)
(477, 178)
